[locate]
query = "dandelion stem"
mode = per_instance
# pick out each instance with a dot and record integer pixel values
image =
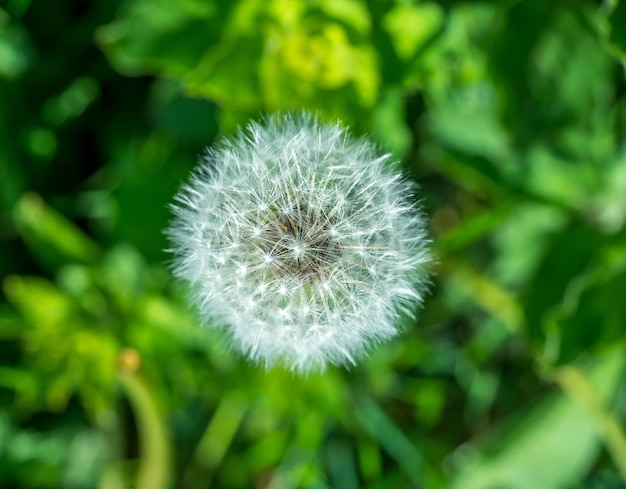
(154, 467)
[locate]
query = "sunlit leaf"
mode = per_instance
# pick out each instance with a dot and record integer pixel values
(51, 236)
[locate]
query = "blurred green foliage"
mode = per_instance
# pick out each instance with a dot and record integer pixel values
(510, 115)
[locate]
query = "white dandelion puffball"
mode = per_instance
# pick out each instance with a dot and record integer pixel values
(301, 241)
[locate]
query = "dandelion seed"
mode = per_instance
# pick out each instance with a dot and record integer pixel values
(301, 242)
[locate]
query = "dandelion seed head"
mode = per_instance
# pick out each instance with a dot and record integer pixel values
(301, 241)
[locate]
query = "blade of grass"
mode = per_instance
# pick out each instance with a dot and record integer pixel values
(486, 293)
(379, 426)
(578, 386)
(221, 430)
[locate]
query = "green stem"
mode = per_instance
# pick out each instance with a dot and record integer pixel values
(155, 461)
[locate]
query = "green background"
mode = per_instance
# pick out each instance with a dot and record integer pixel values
(511, 115)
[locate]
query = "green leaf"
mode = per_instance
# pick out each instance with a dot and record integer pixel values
(161, 36)
(252, 55)
(591, 315)
(39, 301)
(51, 236)
(472, 132)
(65, 349)
(547, 177)
(389, 123)
(410, 26)
(617, 34)
(229, 74)
(550, 446)
(567, 255)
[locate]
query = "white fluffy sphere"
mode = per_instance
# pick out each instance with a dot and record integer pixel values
(302, 241)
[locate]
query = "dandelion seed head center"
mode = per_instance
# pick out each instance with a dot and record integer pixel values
(299, 242)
